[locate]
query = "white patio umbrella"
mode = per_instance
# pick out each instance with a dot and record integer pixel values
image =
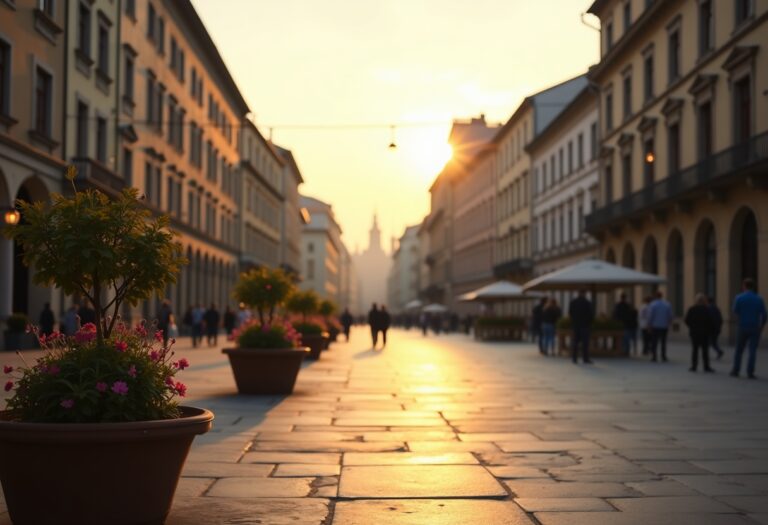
(412, 305)
(594, 275)
(498, 291)
(434, 308)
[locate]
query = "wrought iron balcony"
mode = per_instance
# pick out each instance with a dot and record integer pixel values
(521, 265)
(747, 158)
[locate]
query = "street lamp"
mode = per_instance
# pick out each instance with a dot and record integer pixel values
(392, 144)
(649, 157)
(12, 216)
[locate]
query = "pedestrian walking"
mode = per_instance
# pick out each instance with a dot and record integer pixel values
(198, 312)
(385, 320)
(626, 314)
(582, 314)
(187, 321)
(373, 322)
(536, 326)
(243, 315)
(750, 311)
(645, 328)
(717, 326)
(212, 318)
(424, 323)
(550, 315)
(659, 318)
(698, 319)
(47, 320)
(70, 324)
(86, 313)
(229, 320)
(346, 322)
(164, 319)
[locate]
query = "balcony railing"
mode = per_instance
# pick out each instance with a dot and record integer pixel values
(95, 173)
(522, 265)
(710, 171)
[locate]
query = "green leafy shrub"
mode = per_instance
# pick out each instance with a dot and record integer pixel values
(264, 289)
(308, 328)
(304, 303)
(278, 335)
(17, 322)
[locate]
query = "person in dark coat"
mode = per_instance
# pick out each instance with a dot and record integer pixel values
(699, 322)
(47, 320)
(374, 323)
(536, 323)
(211, 319)
(550, 315)
(626, 314)
(582, 314)
(164, 317)
(385, 320)
(346, 322)
(86, 314)
(717, 326)
(229, 320)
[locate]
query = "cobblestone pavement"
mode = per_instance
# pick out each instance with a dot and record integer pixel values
(446, 431)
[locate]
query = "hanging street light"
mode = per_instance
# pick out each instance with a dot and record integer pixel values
(392, 145)
(12, 217)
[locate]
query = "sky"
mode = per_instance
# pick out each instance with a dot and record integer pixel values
(309, 68)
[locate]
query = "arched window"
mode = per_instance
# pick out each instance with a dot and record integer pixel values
(675, 262)
(650, 263)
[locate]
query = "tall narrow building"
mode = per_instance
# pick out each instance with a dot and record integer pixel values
(373, 266)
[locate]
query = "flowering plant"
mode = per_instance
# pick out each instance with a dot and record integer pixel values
(264, 289)
(129, 376)
(257, 335)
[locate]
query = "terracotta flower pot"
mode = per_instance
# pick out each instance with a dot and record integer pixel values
(263, 371)
(95, 473)
(315, 344)
(326, 341)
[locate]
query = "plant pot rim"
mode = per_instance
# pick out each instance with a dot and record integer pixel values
(312, 335)
(266, 351)
(195, 420)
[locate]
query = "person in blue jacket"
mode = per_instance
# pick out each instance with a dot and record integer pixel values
(750, 311)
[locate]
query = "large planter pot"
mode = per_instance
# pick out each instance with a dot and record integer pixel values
(315, 344)
(262, 371)
(326, 341)
(334, 332)
(19, 341)
(95, 473)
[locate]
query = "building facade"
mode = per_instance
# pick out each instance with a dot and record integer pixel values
(513, 177)
(684, 154)
(291, 214)
(32, 115)
(260, 200)
(373, 263)
(321, 250)
(564, 193)
(404, 281)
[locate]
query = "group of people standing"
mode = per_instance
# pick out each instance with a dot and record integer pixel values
(654, 320)
(546, 315)
(379, 320)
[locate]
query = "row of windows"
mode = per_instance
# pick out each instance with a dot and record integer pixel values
(514, 246)
(566, 162)
(83, 133)
(674, 59)
(513, 147)
(514, 197)
(84, 38)
(560, 226)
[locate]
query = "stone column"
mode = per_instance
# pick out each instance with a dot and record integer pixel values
(6, 277)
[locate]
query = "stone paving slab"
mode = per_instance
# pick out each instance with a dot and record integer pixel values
(248, 511)
(671, 504)
(292, 457)
(635, 518)
(564, 505)
(409, 458)
(533, 488)
(418, 481)
(429, 512)
(212, 469)
(261, 488)
(298, 470)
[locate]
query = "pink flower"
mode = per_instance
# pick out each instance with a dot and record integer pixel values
(132, 371)
(42, 339)
(182, 363)
(169, 381)
(54, 370)
(268, 287)
(141, 330)
(101, 386)
(180, 389)
(158, 335)
(7, 369)
(154, 355)
(121, 346)
(86, 333)
(8, 385)
(120, 388)
(67, 403)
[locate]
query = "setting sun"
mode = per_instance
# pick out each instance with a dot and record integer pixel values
(426, 151)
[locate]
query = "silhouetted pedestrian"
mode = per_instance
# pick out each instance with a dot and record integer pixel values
(659, 319)
(47, 320)
(717, 326)
(536, 328)
(384, 323)
(645, 329)
(229, 320)
(198, 312)
(212, 318)
(70, 324)
(164, 318)
(582, 314)
(86, 313)
(699, 322)
(750, 310)
(626, 314)
(550, 315)
(373, 322)
(346, 322)
(424, 323)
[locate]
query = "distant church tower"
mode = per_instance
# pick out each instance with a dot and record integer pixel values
(373, 267)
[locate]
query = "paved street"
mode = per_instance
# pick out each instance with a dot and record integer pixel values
(446, 431)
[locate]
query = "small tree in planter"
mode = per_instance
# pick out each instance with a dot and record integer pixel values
(327, 309)
(93, 397)
(306, 304)
(268, 354)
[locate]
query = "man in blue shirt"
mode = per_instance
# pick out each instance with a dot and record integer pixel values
(750, 310)
(659, 318)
